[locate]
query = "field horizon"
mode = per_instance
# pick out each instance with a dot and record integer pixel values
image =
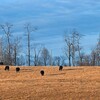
(72, 83)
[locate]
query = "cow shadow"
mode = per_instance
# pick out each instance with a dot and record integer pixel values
(27, 70)
(56, 74)
(72, 69)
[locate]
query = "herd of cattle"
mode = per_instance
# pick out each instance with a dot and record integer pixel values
(41, 72)
(8, 68)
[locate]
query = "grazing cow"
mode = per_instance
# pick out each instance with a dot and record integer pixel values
(7, 68)
(42, 72)
(60, 67)
(17, 69)
(1, 63)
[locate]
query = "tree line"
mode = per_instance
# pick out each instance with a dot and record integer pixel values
(38, 55)
(74, 51)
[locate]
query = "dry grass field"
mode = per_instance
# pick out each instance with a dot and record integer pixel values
(76, 83)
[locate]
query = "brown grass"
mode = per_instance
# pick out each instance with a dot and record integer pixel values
(77, 83)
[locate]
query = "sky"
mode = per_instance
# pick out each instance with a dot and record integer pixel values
(53, 17)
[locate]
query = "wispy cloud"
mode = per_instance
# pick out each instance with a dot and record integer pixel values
(52, 17)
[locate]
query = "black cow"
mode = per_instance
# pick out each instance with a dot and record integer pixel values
(42, 72)
(1, 63)
(17, 69)
(60, 67)
(7, 68)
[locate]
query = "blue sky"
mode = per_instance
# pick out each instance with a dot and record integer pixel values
(53, 17)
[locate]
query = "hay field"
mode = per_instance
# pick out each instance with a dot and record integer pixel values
(77, 83)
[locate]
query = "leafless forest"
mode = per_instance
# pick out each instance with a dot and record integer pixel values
(11, 49)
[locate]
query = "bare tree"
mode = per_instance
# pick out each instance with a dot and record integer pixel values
(45, 56)
(29, 29)
(20, 60)
(37, 50)
(63, 59)
(72, 47)
(67, 49)
(87, 60)
(79, 47)
(80, 59)
(1, 50)
(16, 49)
(98, 52)
(76, 47)
(73, 40)
(51, 60)
(57, 60)
(6, 28)
(95, 54)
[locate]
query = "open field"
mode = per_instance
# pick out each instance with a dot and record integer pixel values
(77, 83)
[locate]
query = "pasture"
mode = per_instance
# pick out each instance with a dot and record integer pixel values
(72, 83)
